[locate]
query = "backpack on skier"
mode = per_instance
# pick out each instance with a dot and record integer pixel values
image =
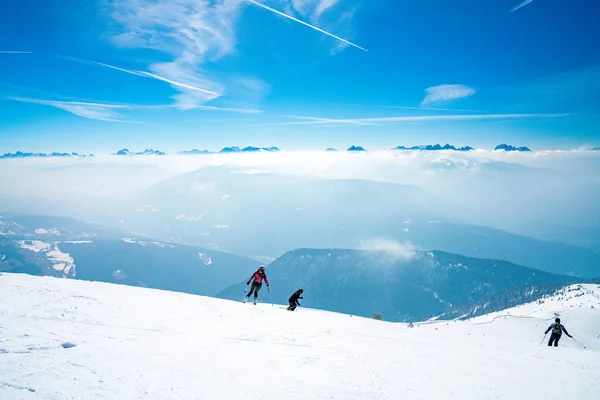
(557, 328)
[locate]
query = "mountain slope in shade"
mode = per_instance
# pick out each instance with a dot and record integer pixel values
(68, 248)
(80, 340)
(423, 286)
(129, 261)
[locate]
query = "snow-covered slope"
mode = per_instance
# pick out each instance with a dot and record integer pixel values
(135, 343)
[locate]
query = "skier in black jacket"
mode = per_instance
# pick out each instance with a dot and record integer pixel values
(557, 330)
(293, 300)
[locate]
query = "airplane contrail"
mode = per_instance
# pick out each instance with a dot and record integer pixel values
(418, 118)
(14, 52)
(157, 77)
(143, 74)
(256, 3)
(523, 4)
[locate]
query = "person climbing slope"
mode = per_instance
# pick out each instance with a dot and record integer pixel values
(293, 300)
(256, 279)
(557, 329)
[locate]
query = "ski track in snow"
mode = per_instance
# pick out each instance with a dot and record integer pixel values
(135, 343)
(12, 386)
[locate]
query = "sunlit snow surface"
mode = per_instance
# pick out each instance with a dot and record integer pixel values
(66, 339)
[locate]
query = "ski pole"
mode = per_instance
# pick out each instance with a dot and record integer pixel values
(544, 338)
(270, 298)
(578, 342)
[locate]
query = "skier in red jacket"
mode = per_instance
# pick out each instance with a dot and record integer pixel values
(256, 279)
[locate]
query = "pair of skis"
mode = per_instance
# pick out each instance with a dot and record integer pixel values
(246, 298)
(256, 299)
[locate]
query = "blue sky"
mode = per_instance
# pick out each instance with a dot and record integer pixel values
(100, 75)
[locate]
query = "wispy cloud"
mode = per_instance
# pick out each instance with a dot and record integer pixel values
(322, 7)
(97, 111)
(433, 109)
(145, 74)
(317, 120)
(407, 119)
(392, 250)
(446, 92)
(523, 4)
(15, 52)
(312, 9)
(306, 23)
(411, 108)
(196, 34)
(191, 104)
(193, 32)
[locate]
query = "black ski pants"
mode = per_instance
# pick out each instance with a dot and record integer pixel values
(292, 306)
(554, 338)
(254, 289)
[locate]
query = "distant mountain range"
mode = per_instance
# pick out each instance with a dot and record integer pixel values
(194, 152)
(252, 149)
(232, 149)
(435, 147)
(147, 152)
(20, 154)
(508, 147)
(249, 149)
(356, 148)
(425, 285)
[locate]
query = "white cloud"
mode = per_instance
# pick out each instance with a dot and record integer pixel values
(365, 106)
(189, 100)
(405, 119)
(317, 120)
(303, 7)
(319, 12)
(192, 31)
(313, 8)
(97, 111)
(306, 24)
(179, 84)
(523, 4)
(322, 7)
(447, 92)
(393, 250)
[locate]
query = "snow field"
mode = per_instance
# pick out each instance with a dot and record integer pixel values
(134, 343)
